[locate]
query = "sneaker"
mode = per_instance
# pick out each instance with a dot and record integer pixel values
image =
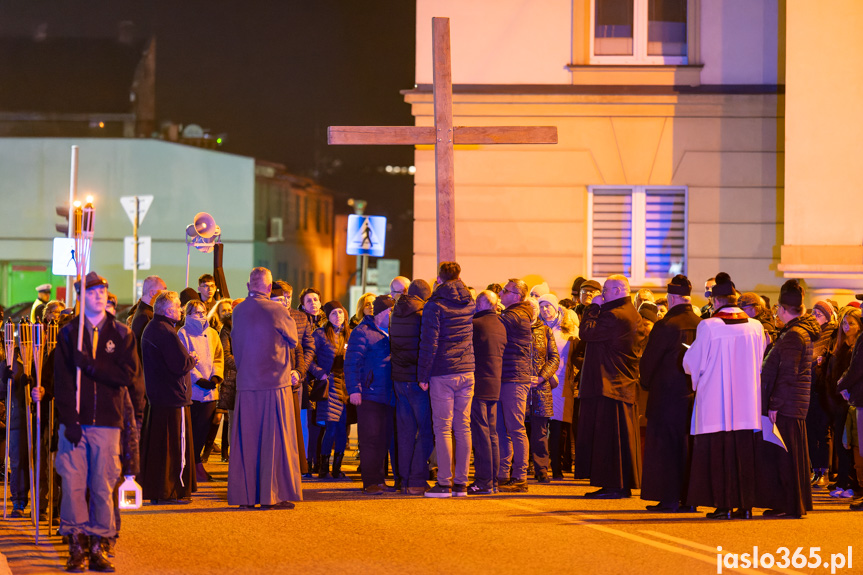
(459, 490)
(837, 492)
(847, 494)
(439, 491)
(474, 489)
(513, 486)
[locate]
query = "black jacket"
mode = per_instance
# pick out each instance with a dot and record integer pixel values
(446, 343)
(115, 366)
(661, 369)
(405, 327)
(303, 354)
(615, 342)
(516, 354)
(852, 379)
(143, 316)
(489, 341)
(786, 373)
(167, 364)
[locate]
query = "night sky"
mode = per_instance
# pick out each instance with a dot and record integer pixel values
(272, 76)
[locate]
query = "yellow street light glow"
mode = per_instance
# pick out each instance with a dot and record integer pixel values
(89, 199)
(76, 203)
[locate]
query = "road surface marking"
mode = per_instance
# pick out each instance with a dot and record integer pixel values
(585, 521)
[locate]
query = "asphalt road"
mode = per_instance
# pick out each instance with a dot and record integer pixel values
(550, 529)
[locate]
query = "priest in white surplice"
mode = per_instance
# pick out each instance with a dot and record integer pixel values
(725, 364)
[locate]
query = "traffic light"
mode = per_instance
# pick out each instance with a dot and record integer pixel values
(63, 212)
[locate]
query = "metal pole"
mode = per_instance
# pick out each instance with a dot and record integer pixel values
(135, 252)
(73, 191)
(365, 269)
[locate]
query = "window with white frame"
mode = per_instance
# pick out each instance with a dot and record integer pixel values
(637, 231)
(639, 32)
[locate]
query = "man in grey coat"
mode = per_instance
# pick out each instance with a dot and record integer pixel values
(265, 465)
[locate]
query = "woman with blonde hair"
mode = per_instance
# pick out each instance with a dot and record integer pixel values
(364, 307)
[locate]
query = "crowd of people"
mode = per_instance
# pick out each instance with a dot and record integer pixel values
(734, 406)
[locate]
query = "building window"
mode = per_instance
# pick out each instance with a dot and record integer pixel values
(298, 207)
(637, 231)
(282, 270)
(639, 32)
(275, 230)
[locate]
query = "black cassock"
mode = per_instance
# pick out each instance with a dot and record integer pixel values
(608, 449)
(667, 444)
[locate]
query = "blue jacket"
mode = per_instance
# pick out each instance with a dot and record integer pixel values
(330, 361)
(368, 367)
(405, 328)
(446, 339)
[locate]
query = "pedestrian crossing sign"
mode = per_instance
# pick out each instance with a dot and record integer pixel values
(366, 235)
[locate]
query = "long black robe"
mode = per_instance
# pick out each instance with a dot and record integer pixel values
(608, 449)
(669, 407)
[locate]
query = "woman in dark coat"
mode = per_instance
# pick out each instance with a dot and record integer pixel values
(330, 345)
(545, 361)
(783, 483)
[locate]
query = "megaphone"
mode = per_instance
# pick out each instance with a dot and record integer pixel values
(203, 233)
(205, 225)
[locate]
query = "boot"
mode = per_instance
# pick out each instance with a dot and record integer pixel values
(77, 562)
(314, 466)
(337, 466)
(308, 473)
(324, 467)
(98, 557)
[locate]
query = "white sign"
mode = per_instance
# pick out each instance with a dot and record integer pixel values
(144, 250)
(63, 262)
(128, 203)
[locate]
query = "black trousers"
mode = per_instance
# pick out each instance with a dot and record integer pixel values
(818, 432)
(558, 435)
(539, 445)
(375, 433)
(202, 416)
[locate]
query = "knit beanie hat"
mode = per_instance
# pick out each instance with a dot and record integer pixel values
(679, 285)
(791, 294)
(188, 295)
(382, 302)
(540, 289)
(576, 285)
(331, 305)
(724, 286)
(826, 309)
(550, 299)
(649, 311)
(420, 288)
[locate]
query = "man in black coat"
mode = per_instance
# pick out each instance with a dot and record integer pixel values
(665, 473)
(515, 384)
(489, 341)
(413, 409)
(144, 310)
(608, 448)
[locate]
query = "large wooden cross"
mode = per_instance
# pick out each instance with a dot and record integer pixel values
(443, 135)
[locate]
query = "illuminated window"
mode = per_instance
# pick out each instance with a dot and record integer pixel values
(639, 32)
(638, 231)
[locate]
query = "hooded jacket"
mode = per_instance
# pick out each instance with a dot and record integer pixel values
(405, 327)
(544, 363)
(199, 337)
(786, 374)
(446, 342)
(368, 366)
(516, 354)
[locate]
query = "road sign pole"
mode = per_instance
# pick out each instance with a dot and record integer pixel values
(135, 251)
(365, 269)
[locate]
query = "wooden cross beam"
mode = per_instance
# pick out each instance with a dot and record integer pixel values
(443, 136)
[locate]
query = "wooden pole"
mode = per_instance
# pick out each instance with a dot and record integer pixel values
(73, 192)
(444, 172)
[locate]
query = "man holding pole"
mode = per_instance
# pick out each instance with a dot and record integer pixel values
(88, 455)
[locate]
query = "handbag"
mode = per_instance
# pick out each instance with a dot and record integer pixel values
(319, 390)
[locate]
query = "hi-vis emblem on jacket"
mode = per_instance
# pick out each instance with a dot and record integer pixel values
(109, 347)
